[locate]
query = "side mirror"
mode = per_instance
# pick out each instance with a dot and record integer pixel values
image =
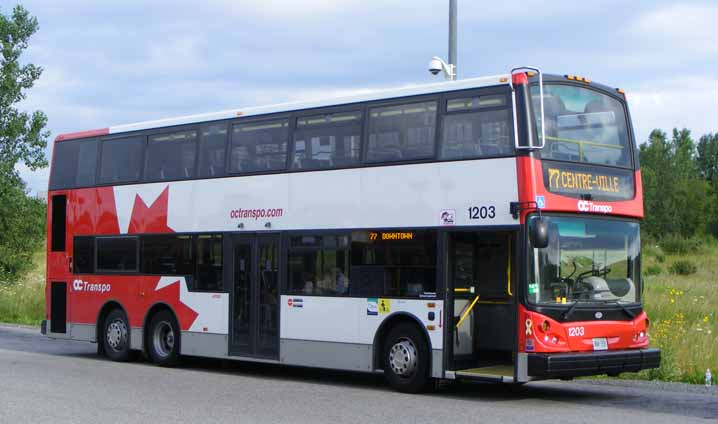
(538, 233)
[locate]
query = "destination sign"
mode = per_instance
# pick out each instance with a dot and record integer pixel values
(391, 235)
(600, 183)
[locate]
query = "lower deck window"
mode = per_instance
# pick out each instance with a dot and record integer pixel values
(318, 265)
(393, 263)
(117, 254)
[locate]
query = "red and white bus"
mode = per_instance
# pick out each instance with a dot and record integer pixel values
(481, 229)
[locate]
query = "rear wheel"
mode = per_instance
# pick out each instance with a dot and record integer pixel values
(163, 339)
(116, 336)
(406, 359)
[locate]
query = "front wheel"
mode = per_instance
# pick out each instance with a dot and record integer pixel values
(116, 339)
(163, 339)
(406, 359)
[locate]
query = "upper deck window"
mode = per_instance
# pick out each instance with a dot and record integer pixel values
(74, 164)
(327, 141)
(212, 145)
(476, 127)
(400, 133)
(583, 125)
(259, 146)
(121, 160)
(171, 156)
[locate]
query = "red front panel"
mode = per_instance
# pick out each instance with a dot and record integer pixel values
(538, 333)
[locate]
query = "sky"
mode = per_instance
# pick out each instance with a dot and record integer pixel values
(111, 63)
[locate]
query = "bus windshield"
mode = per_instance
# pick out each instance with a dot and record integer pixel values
(583, 125)
(594, 260)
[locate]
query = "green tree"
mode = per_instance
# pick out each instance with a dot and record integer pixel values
(23, 139)
(707, 162)
(707, 159)
(22, 135)
(675, 195)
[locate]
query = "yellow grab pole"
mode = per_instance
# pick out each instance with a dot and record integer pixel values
(466, 312)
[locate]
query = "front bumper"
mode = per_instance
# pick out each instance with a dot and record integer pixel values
(562, 365)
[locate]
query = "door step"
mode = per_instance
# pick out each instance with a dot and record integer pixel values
(496, 373)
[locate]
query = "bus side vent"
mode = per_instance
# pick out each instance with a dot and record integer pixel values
(58, 307)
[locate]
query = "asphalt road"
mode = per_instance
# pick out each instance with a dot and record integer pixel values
(44, 380)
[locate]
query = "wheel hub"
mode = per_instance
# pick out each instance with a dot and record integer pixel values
(163, 339)
(117, 334)
(403, 358)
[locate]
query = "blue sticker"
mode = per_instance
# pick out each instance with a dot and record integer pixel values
(540, 202)
(372, 306)
(529, 345)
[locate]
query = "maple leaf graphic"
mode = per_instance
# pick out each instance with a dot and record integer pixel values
(152, 219)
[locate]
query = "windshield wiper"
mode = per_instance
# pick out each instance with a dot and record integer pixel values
(571, 308)
(628, 312)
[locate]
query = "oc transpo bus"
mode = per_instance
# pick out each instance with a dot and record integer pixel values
(483, 229)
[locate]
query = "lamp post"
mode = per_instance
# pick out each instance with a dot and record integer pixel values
(437, 64)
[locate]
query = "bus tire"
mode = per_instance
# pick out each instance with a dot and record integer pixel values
(116, 336)
(163, 339)
(406, 359)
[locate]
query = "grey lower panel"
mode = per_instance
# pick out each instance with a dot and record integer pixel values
(50, 334)
(437, 363)
(204, 344)
(82, 332)
(341, 356)
(136, 338)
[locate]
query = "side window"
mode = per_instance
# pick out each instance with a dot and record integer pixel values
(212, 145)
(74, 164)
(393, 263)
(404, 132)
(121, 160)
(476, 127)
(166, 255)
(209, 263)
(319, 265)
(84, 251)
(117, 254)
(259, 146)
(171, 156)
(327, 141)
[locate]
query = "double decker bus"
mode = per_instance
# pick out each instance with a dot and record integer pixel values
(481, 229)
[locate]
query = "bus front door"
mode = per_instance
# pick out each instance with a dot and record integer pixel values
(481, 304)
(254, 296)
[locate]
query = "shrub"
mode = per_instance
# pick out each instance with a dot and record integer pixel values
(676, 245)
(684, 267)
(653, 270)
(661, 258)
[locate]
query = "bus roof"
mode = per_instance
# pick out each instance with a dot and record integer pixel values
(410, 90)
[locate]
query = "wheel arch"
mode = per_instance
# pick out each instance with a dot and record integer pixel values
(100, 322)
(390, 322)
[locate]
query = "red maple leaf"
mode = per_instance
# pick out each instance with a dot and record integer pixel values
(152, 219)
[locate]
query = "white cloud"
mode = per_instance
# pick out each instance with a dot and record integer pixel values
(681, 102)
(689, 27)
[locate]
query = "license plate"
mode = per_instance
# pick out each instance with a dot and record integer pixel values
(600, 344)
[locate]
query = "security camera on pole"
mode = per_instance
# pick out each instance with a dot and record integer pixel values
(437, 64)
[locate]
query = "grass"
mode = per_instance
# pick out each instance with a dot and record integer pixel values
(683, 310)
(23, 301)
